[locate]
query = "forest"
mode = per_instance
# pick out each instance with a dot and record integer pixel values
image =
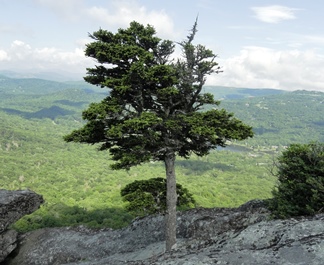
(79, 187)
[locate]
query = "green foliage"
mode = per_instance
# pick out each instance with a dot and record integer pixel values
(61, 215)
(149, 196)
(301, 181)
(154, 108)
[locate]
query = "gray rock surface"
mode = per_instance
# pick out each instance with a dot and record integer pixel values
(244, 235)
(8, 242)
(13, 206)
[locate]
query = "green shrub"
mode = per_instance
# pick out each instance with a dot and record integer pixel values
(149, 196)
(62, 215)
(300, 191)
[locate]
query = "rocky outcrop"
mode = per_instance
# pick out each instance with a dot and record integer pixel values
(13, 206)
(8, 242)
(244, 235)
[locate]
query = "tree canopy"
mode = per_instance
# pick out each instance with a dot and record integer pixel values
(153, 106)
(154, 110)
(149, 196)
(300, 173)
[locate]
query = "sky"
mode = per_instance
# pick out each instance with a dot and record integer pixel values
(259, 44)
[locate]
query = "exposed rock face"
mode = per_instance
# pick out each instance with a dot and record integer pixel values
(244, 235)
(13, 206)
(8, 242)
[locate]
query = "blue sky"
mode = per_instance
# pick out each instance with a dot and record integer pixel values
(260, 44)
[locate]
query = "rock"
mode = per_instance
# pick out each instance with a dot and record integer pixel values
(8, 242)
(243, 235)
(16, 204)
(13, 206)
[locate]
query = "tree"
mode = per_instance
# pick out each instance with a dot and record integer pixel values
(154, 110)
(149, 196)
(300, 190)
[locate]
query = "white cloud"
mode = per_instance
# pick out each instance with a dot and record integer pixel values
(19, 50)
(258, 67)
(253, 67)
(121, 13)
(21, 56)
(4, 56)
(274, 13)
(114, 13)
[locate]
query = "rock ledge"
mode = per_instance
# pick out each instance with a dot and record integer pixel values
(13, 206)
(243, 235)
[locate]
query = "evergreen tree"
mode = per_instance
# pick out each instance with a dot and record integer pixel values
(300, 189)
(154, 108)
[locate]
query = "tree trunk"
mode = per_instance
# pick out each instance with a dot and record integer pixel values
(171, 216)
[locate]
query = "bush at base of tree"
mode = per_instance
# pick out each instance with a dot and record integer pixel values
(149, 196)
(301, 181)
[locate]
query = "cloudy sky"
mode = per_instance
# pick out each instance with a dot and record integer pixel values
(260, 44)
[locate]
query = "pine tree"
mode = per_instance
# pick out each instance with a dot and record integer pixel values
(154, 110)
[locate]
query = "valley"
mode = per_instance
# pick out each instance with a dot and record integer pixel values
(79, 187)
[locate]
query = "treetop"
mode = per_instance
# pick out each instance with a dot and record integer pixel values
(155, 104)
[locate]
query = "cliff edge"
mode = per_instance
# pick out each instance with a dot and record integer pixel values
(243, 235)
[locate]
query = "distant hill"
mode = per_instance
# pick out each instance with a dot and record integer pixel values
(222, 93)
(50, 113)
(61, 76)
(283, 118)
(278, 117)
(36, 86)
(39, 98)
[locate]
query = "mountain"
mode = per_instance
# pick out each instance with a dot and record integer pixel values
(39, 98)
(59, 76)
(233, 93)
(37, 86)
